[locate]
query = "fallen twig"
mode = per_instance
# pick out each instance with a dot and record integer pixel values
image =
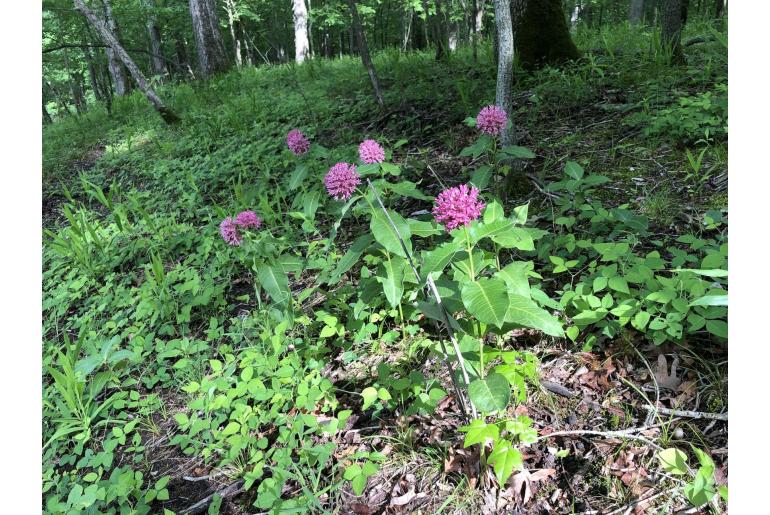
(626, 433)
(690, 414)
(557, 389)
(195, 479)
(229, 491)
(631, 506)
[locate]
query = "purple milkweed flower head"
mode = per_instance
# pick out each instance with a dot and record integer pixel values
(341, 180)
(248, 220)
(297, 142)
(457, 206)
(491, 120)
(229, 231)
(371, 152)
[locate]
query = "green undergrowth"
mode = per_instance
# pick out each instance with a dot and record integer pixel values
(151, 320)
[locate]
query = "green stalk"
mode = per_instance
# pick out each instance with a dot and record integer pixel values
(469, 247)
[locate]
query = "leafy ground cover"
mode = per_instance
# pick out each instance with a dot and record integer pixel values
(294, 358)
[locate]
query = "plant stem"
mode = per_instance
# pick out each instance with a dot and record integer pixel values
(470, 252)
(478, 324)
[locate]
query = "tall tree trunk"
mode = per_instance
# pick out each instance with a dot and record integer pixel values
(117, 70)
(504, 89)
(364, 51)
(671, 28)
(474, 28)
(180, 48)
(46, 115)
(575, 17)
(230, 9)
(452, 38)
(208, 40)
(685, 11)
(109, 39)
(74, 82)
(719, 6)
(76, 85)
(92, 77)
(157, 62)
(301, 44)
(541, 33)
(407, 30)
(310, 48)
(100, 65)
(439, 30)
(635, 11)
(59, 98)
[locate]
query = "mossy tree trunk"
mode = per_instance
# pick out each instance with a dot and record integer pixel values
(542, 34)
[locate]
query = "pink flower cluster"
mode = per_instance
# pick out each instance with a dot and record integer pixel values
(341, 180)
(230, 227)
(371, 152)
(248, 220)
(491, 120)
(297, 142)
(457, 206)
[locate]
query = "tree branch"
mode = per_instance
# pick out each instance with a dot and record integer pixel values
(81, 45)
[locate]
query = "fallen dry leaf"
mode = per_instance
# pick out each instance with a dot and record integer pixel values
(464, 461)
(523, 482)
(361, 509)
(662, 375)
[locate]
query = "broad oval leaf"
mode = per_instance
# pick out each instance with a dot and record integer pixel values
(516, 237)
(525, 312)
(351, 257)
(480, 177)
(298, 176)
(486, 299)
(493, 212)
(515, 152)
(515, 277)
(673, 461)
(387, 236)
(478, 431)
(407, 189)
(424, 229)
(437, 259)
(491, 393)
(710, 300)
(504, 458)
(370, 395)
(275, 282)
(573, 170)
(391, 277)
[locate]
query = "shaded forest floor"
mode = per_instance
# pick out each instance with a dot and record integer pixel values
(618, 112)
